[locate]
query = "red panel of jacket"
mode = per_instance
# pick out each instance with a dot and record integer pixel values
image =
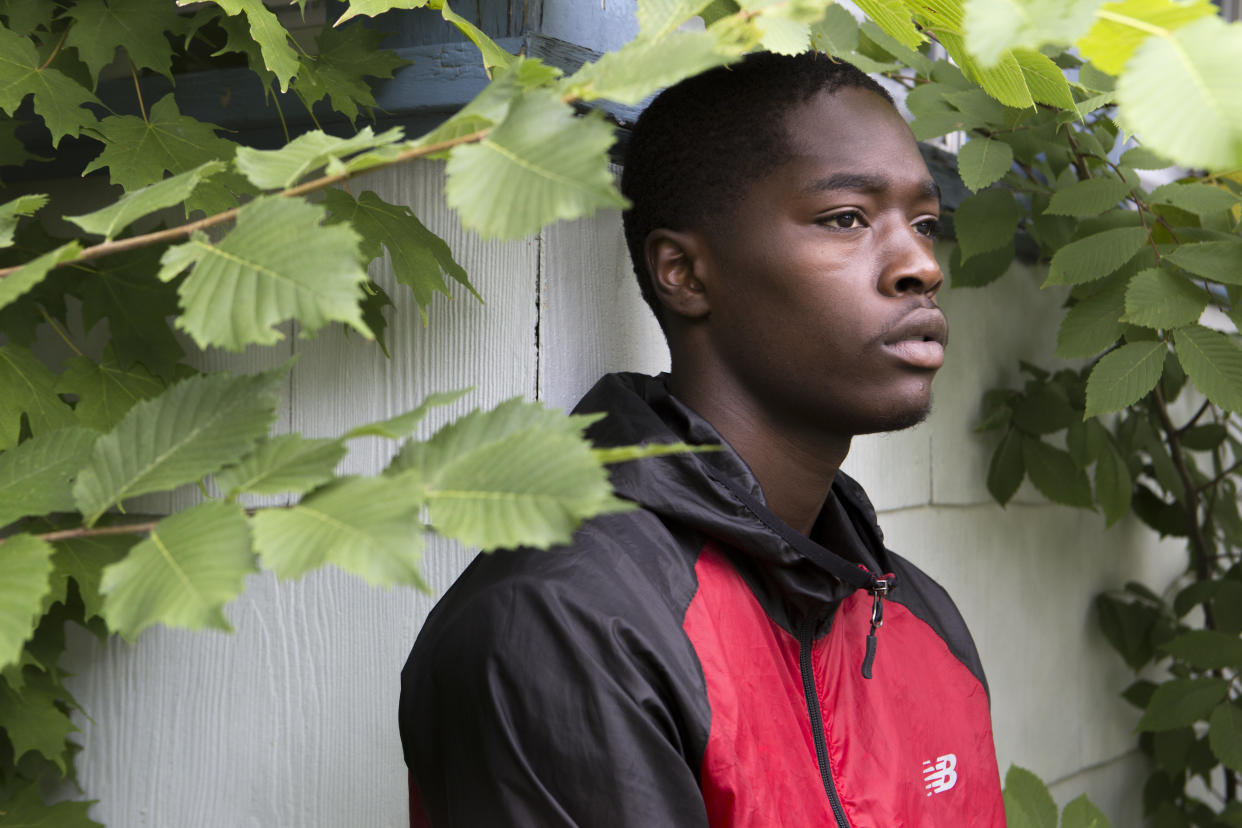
(898, 755)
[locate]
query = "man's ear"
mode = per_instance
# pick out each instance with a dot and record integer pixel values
(677, 266)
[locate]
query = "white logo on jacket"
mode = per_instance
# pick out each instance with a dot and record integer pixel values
(940, 775)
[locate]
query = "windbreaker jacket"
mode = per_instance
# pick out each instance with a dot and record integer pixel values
(698, 663)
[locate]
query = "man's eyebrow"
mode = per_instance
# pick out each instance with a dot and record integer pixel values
(864, 183)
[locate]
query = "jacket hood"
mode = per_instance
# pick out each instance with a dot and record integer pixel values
(717, 494)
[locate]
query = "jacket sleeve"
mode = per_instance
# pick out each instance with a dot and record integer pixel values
(525, 706)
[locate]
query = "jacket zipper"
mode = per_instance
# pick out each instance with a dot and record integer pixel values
(806, 635)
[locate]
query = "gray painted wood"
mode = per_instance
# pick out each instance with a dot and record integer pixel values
(292, 720)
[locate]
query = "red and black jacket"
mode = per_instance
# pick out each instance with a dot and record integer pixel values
(698, 663)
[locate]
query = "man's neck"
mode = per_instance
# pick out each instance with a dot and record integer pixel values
(795, 466)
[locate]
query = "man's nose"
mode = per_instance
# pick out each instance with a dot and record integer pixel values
(910, 266)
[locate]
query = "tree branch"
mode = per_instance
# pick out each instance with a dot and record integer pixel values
(181, 231)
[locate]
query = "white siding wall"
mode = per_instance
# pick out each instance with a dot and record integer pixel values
(292, 720)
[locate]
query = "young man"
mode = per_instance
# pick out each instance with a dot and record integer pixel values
(743, 651)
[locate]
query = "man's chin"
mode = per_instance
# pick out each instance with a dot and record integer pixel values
(899, 419)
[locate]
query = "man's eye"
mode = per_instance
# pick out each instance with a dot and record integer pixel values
(844, 221)
(928, 227)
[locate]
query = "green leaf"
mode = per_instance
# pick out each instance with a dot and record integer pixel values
(114, 218)
(1044, 79)
(1204, 437)
(24, 16)
(1124, 376)
(84, 560)
(1007, 469)
(288, 463)
(1114, 487)
(1093, 324)
(1095, 256)
(29, 388)
(137, 24)
(1225, 735)
(1088, 198)
(191, 430)
(137, 152)
(346, 58)
(36, 477)
(519, 475)
(278, 262)
(35, 719)
(1055, 474)
(1142, 158)
(494, 57)
(659, 18)
(1027, 801)
(420, 258)
(644, 66)
(894, 18)
(105, 390)
(1044, 410)
(1178, 94)
(371, 8)
(1220, 261)
(982, 269)
(539, 165)
(26, 205)
(992, 27)
(1156, 298)
(985, 221)
(192, 564)
(272, 38)
(1181, 702)
(403, 425)
(1080, 813)
(1110, 43)
(19, 282)
(1213, 363)
(836, 34)
(1195, 197)
(135, 304)
(982, 161)
(1206, 649)
(57, 99)
(367, 526)
(27, 567)
(284, 167)
(24, 808)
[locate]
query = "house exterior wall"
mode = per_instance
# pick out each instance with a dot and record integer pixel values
(291, 721)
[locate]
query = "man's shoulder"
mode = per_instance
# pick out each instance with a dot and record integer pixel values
(627, 566)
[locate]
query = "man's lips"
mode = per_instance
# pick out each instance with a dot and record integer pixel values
(919, 338)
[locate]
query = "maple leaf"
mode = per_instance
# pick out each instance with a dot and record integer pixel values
(99, 27)
(30, 390)
(138, 152)
(105, 391)
(136, 304)
(57, 98)
(346, 57)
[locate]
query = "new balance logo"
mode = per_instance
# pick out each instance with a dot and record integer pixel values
(940, 775)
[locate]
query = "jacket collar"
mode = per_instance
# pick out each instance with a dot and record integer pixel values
(708, 491)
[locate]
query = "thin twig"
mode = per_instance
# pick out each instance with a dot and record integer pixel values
(1202, 409)
(55, 50)
(119, 246)
(142, 107)
(85, 532)
(63, 334)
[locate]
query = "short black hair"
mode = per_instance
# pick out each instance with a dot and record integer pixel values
(699, 145)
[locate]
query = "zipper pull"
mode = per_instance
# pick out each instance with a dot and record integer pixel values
(879, 589)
